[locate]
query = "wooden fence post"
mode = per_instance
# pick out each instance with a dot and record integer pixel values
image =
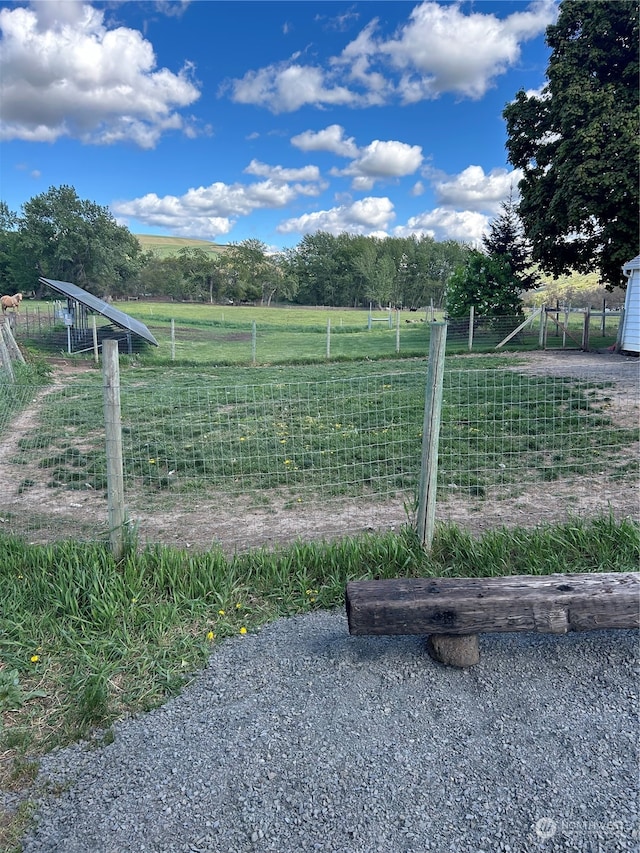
(113, 443)
(431, 435)
(5, 358)
(586, 330)
(10, 341)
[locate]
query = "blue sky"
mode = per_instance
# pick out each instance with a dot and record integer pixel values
(269, 120)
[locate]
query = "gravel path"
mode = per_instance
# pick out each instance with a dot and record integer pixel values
(302, 738)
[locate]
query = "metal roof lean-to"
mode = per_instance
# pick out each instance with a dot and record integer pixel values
(119, 318)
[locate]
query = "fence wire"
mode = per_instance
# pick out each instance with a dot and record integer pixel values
(268, 462)
(226, 337)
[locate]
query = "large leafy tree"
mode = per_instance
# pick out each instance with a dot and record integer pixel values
(485, 283)
(577, 143)
(8, 247)
(67, 238)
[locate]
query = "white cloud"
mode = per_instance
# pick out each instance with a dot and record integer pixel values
(382, 161)
(368, 216)
(331, 139)
(65, 73)
(211, 211)
(439, 49)
(473, 189)
(466, 226)
(286, 88)
(281, 174)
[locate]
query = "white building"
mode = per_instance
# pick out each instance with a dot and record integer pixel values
(630, 339)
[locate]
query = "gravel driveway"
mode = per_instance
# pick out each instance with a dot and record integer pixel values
(302, 738)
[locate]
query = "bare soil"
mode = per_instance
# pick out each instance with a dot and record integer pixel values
(240, 525)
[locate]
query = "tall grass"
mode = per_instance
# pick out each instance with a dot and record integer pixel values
(102, 638)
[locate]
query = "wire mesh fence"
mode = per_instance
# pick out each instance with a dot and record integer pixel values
(229, 335)
(322, 454)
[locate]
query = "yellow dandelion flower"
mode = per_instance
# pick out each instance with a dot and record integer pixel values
(210, 635)
(220, 612)
(287, 462)
(152, 462)
(238, 606)
(35, 658)
(243, 630)
(243, 438)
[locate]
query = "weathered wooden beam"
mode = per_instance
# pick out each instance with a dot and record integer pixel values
(546, 603)
(455, 610)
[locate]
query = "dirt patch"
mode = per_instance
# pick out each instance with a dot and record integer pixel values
(43, 514)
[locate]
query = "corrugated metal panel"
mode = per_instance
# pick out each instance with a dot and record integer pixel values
(630, 341)
(124, 321)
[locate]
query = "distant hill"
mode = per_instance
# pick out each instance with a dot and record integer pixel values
(577, 289)
(164, 247)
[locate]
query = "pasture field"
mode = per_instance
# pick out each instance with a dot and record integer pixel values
(247, 334)
(307, 442)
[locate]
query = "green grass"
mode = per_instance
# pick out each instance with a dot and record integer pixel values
(207, 335)
(165, 247)
(85, 639)
(17, 393)
(326, 430)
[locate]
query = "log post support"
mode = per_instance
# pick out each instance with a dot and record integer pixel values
(454, 649)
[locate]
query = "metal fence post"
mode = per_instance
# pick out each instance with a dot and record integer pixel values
(94, 332)
(427, 488)
(113, 443)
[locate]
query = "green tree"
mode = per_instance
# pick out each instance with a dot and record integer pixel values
(577, 143)
(8, 248)
(505, 239)
(249, 273)
(66, 238)
(378, 271)
(200, 273)
(486, 284)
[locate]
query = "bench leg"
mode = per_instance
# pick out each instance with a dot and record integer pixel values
(454, 649)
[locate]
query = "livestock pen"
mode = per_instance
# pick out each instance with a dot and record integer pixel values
(242, 457)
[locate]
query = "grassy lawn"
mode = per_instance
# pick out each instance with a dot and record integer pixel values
(324, 430)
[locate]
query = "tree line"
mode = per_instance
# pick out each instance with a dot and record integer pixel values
(576, 143)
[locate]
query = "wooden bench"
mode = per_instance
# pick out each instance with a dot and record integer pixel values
(453, 611)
